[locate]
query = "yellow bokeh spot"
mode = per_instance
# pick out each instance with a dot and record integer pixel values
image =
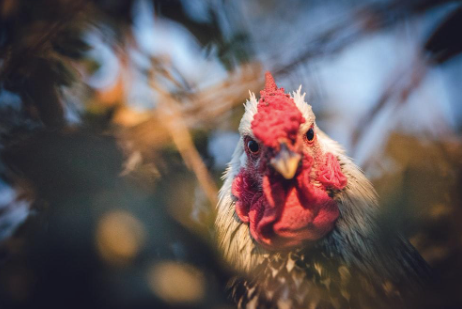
(176, 282)
(119, 237)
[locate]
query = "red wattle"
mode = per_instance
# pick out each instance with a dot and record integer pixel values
(330, 174)
(285, 213)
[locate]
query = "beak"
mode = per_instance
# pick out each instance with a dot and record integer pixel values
(286, 162)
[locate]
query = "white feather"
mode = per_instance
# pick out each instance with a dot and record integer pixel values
(250, 111)
(304, 108)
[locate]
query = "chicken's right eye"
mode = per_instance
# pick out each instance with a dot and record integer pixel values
(253, 146)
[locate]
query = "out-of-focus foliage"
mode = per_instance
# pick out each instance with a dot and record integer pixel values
(116, 118)
(421, 197)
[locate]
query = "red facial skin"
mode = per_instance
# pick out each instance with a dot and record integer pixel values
(284, 213)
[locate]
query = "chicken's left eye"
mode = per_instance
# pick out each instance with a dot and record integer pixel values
(253, 146)
(310, 135)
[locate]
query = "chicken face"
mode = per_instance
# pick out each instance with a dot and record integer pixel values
(285, 187)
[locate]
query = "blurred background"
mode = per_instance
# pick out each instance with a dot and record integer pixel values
(118, 117)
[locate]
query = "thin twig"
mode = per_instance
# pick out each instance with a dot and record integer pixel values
(171, 114)
(204, 108)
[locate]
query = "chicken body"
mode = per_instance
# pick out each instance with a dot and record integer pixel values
(299, 219)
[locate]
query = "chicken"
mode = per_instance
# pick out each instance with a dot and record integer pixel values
(300, 221)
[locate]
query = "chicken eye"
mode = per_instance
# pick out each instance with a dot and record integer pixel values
(310, 135)
(253, 146)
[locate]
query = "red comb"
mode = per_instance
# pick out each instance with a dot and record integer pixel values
(270, 84)
(277, 115)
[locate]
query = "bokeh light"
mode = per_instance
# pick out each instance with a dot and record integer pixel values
(120, 236)
(176, 283)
